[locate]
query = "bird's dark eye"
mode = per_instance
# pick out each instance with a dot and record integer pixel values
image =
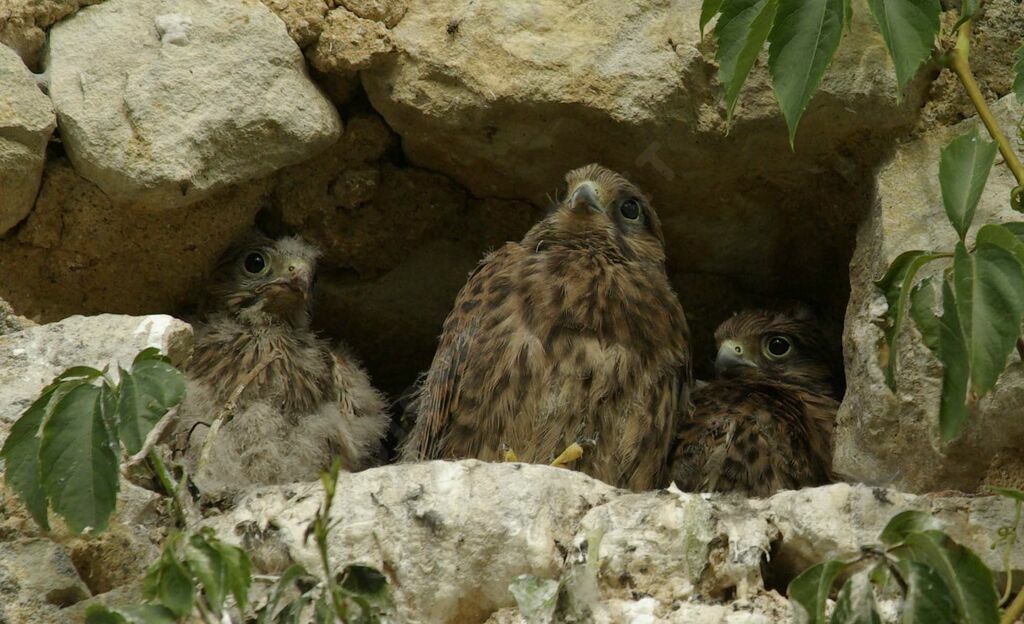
(777, 346)
(255, 263)
(630, 209)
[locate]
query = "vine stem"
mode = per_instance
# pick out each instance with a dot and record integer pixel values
(1015, 610)
(959, 62)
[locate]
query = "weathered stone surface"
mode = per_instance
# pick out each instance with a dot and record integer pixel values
(451, 537)
(164, 102)
(303, 18)
(888, 438)
(26, 122)
(349, 43)
(37, 579)
(9, 320)
(81, 252)
(31, 358)
(388, 12)
(23, 24)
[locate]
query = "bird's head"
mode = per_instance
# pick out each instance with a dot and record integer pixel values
(604, 207)
(265, 281)
(786, 345)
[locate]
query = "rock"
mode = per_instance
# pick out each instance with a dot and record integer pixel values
(452, 536)
(388, 12)
(23, 24)
(349, 43)
(37, 579)
(888, 438)
(304, 18)
(26, 122)
(31, 358)
(79, 252)
(9, 321)
(164, 102)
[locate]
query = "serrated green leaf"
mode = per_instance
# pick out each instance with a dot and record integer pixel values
(922, 310)
(909, 28)
(147, 393)
(21, 454)
(802, 42)
(896, 285)
(989, 286)
(238, 569)
(169, 582)
(855, 603)
(708, 10)
(963, 171)
(78, 461)
(809, 591)
(536, 597)
(969, 581)
(927, 599)
(903, 524)
(956, 371)
(1018, 72)
(79, 373)
(741, 31)
(138, 614)
(150, 353)
(209, 568)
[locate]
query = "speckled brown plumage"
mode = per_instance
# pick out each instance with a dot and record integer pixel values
(766, 423)
(572, 333)
(308, 402)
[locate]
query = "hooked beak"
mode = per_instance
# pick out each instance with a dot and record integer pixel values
(586, 198)
(299, 279)
(731, 359)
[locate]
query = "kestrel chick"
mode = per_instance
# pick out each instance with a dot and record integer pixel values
(766, 423)
(573, 333)
(290, 403)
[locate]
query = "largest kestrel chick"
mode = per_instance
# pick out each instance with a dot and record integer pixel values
(572, 333)
(288, 403)
(766, 423)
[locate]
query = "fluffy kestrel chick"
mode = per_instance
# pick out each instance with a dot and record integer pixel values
(573, 333)
(288, 402)
(766, 423)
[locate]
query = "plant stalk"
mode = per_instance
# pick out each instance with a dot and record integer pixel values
(959, 62)
(1015, 610)
(167, 482)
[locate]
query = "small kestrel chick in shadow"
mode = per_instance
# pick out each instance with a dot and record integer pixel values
(765, 424)
(279, 402)
(572, 334)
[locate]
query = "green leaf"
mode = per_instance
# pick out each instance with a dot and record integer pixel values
(708, 10)
(209, 568)
(967, 10)
(138, 614)
(21, 454)
(896, 285)
(969, 581)
(536, 597)
(927, 599)
(856, 602)
(79, 373)
(323, 611)
(922, 309)
(168, 581)
(802, 43)
(1018, 72)
(909, 28)
(1011, 493)
(741, 31)
(78, 460)
(963, 171)
(283, 585)
(147, 393)
(239, 570)
(369, 584)
(1009, 236)
(989, 286)
(291, 613)
(809, 591)
(903, 524)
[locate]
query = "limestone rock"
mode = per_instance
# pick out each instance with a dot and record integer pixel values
(388, 12)
(26, 122)
(888, 438)
(303, 18)
(164, 102)
(37, 579)
(349, 43)
(31, 358)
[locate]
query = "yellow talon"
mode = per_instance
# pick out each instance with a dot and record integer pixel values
(573, 452)
(510, 455)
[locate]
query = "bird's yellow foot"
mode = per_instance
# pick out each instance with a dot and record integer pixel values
(510, 455)
(572, 452)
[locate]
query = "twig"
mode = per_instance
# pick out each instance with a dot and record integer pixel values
(167, 482)
(151, 440)
(228, 409)
(959, 62)
(1015, 610)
